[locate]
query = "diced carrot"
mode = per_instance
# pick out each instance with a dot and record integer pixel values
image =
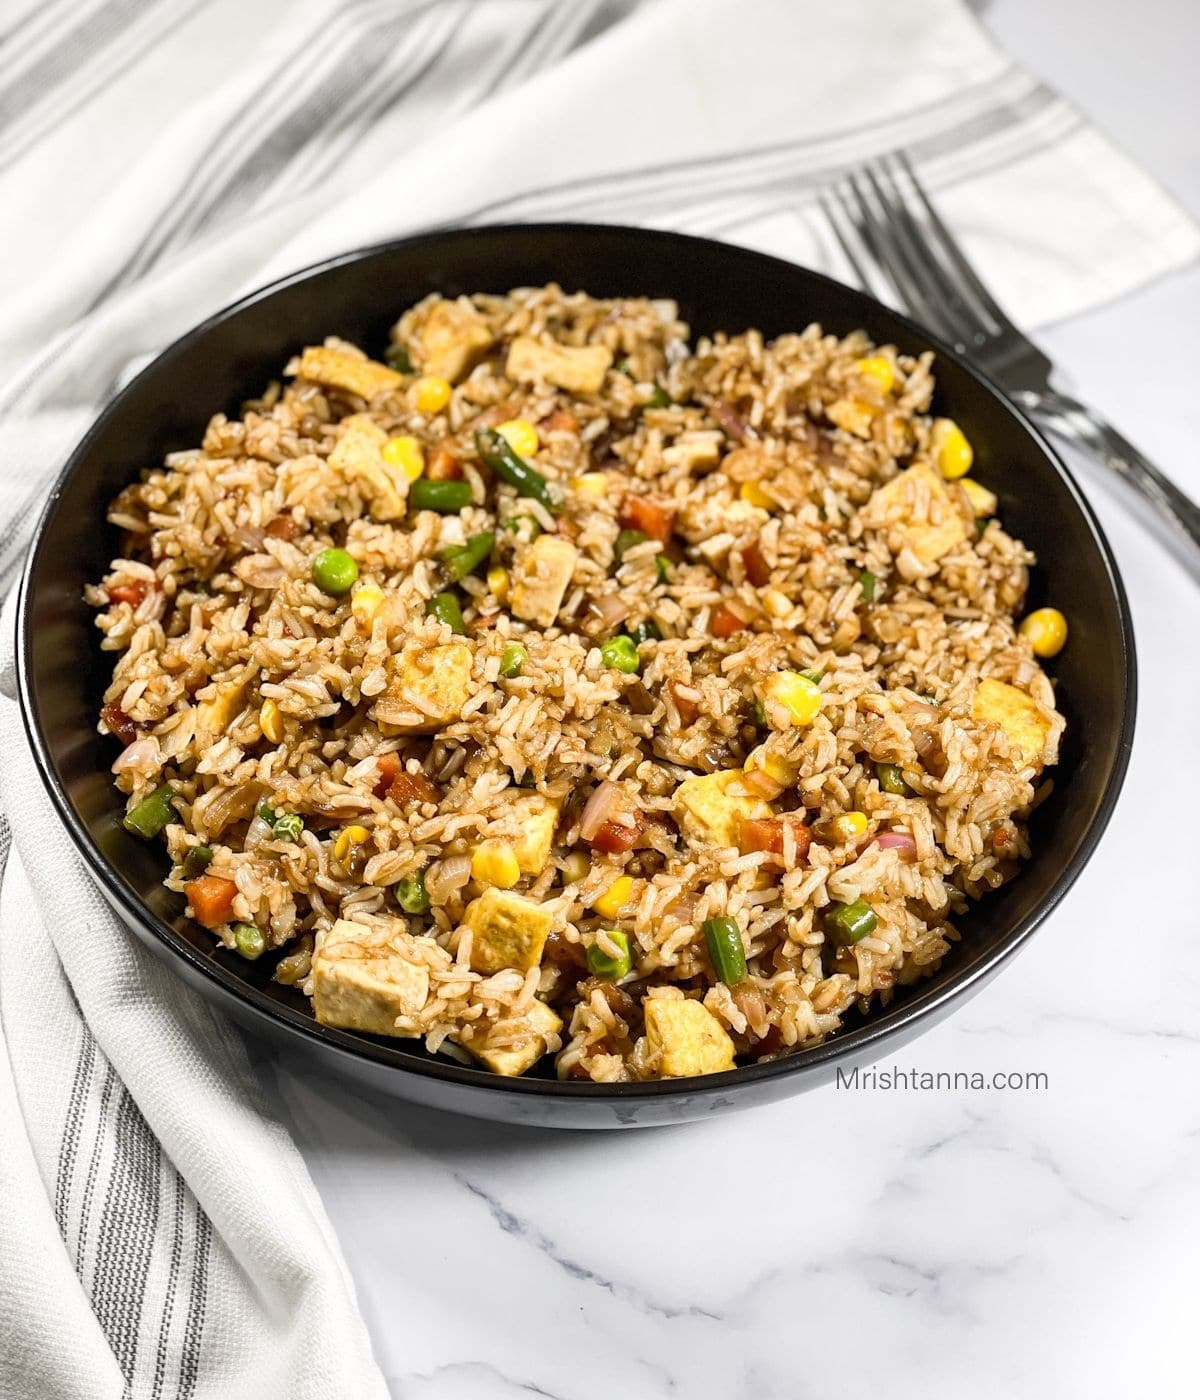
(131, 593)
(725, 622)
(687, 707)
(650, 517)
(613, 837)
(211, 898)
(387, 766)
(283, 527)
(766, 834)
(119, 724)
(758, 571)
(562, 420)
(443, 465)
(411, 787)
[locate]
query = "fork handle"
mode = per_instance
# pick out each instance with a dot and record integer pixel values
(1083, 427)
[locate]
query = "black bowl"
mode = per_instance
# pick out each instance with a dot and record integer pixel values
(231, 356)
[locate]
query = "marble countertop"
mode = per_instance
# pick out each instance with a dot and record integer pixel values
(878, 1241)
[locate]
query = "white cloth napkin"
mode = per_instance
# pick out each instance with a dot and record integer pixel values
(160, 1234)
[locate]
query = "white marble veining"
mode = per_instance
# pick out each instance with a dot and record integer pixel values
(876, 1242)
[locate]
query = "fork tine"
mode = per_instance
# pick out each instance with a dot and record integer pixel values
(952, 251)
(836, 216)
(872, 228)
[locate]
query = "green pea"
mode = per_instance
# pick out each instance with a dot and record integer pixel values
(723, 939)
(891, 778)
(847, 923)
(867, 581)
(412, 895)
(512, 660)
(399, 360)
(197, 861)
(249, 940)
(446, 608)
(288, 827)
(620, 654)
(659, 398)
(148, 817)
(266, 812)
(602, 964)
(334, 572)
(446, 497)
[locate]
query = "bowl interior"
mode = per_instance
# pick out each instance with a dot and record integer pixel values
(718, 288)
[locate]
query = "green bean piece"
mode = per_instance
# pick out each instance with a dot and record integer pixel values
(626, 540)
(334, 572)
(662, 567)
(620, 654)
(148, 817)
(287, 827)
(512, 660)
(399, 360)
(760, 714)
(867, 580)
(847, 923)
(446, 497)
(412, 895)
(462, 559)
(197, 861)
(602, 964)
(891, 778)
(644, 631)
(249, 940)
(498, 454)
(813, 675)
(266, 812)
(723, 939)
(525, 527)
(622, 367)
(659, 398)
(446, 608)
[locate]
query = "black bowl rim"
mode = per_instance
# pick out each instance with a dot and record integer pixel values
(863, 1041)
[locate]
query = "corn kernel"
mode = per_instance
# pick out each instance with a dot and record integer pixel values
(1046, 629)
(270, 721)
(521, 436)
(497, 582)
(495, 862)
(751, 491)
(576, 867)
(953, 452)
(615, 898)
(795, 696)
(593, 485)
(848, 827)
(347, 838)
(433, 393)
(763, 760)
(406, 453)
(880, 369)
(983, 501)
(365, 603)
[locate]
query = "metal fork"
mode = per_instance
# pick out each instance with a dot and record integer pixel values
(888, 227)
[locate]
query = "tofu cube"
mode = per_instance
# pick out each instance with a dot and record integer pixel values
(214, 716)
(429, 687)
(688, 1038)
(453, 339)
(508, 931)
(358, 456)
(852, 416)
(710, 810)
(342, 369)
(983, 502)
(537, 816)
(918, 509)
(515, 1056)
(695, 451)
(540, 579)
(365, 979)
(1021, 717)
(580, 369)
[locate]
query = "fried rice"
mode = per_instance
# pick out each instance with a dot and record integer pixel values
(695, 728)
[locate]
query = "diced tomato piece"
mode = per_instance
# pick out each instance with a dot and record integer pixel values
(443, 465)
(650, 517)
(119, 724)
(131, 593)
(725, 622)
(613, 837)
(387, 765)
(766, 834)
(411, 787)
(562, 420)
(758, 571)
(211, 898)
(283, 527)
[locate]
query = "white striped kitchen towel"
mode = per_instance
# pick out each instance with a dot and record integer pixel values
(159, 1233)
